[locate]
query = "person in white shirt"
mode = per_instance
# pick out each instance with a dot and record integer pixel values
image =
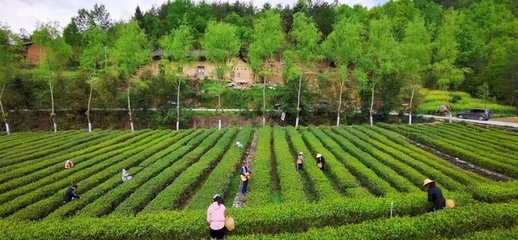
(125, 175)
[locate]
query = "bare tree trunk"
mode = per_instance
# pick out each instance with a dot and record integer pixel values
(89, 105)
(372, 103)
(411, 105)
(3, 113)
(129, 109)
(339, 104)
(449, 105)
(264, 101)
(219, 102)
(178, 107)
(52, 113)
(298, 103)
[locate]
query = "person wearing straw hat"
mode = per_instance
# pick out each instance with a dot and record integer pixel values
(435, 196)
(69, 164)
(216, 214)
(321, 162)
(300, 161)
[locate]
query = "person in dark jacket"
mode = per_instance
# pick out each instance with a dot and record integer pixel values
(70, 194)
(245, 175)
(435, 196)
(321, 162)
(300, 161)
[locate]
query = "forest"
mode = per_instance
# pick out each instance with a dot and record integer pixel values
(366, 60)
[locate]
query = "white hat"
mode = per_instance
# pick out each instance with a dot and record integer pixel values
(427, 181)
(319, 155)
(215, 196)
(300, 153)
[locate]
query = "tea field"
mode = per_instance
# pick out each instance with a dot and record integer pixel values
(370, 190)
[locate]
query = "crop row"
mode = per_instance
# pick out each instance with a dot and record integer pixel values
(176, 162)
(338, 173)
(147, 169)
(40, 206)
(412, 176)
(509, 135)
(322, 186)
(490, 135)
(466, 142)
(407, 166)
(385, 172)
(16, 166)
(470, 142)
(29, 150)
(173, 196)
(391, 148)
(142, 185)
(505, 141)
(398, 142)
(23, 139)
(445, 224)
(496, 192)
(42, 168)
(458, 149)
(221, 176)
(498, 233)
(50, 175)
(367, 177)
(290, 183)
(272, 219)
(262, 177)
(21, 157)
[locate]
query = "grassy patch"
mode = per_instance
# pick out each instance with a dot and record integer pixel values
(434, 98)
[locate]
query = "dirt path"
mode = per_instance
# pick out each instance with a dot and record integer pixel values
(240, 199)
(463, 164)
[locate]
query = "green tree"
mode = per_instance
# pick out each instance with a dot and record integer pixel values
(304, 52)
(416, 51)
(54, 61)
(446, 53)
(378, 63)
(129, 53)
(177, 47)
(72, 37)
(484, 93)
(99, 17)
(220, 44)
(344, 46)
(10, 49)
(268, 38)
(500, 71)
(139, 17)
(94, 41)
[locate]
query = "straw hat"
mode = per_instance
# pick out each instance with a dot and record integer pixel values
(319, 155)
(427, 181)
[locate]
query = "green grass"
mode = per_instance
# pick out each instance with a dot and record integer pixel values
(434, 98)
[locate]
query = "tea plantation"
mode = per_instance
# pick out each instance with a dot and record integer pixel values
(370, 190)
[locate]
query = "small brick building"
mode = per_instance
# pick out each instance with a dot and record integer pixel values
(33, 52)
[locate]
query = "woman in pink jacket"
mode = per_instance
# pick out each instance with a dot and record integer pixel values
(216, 217)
